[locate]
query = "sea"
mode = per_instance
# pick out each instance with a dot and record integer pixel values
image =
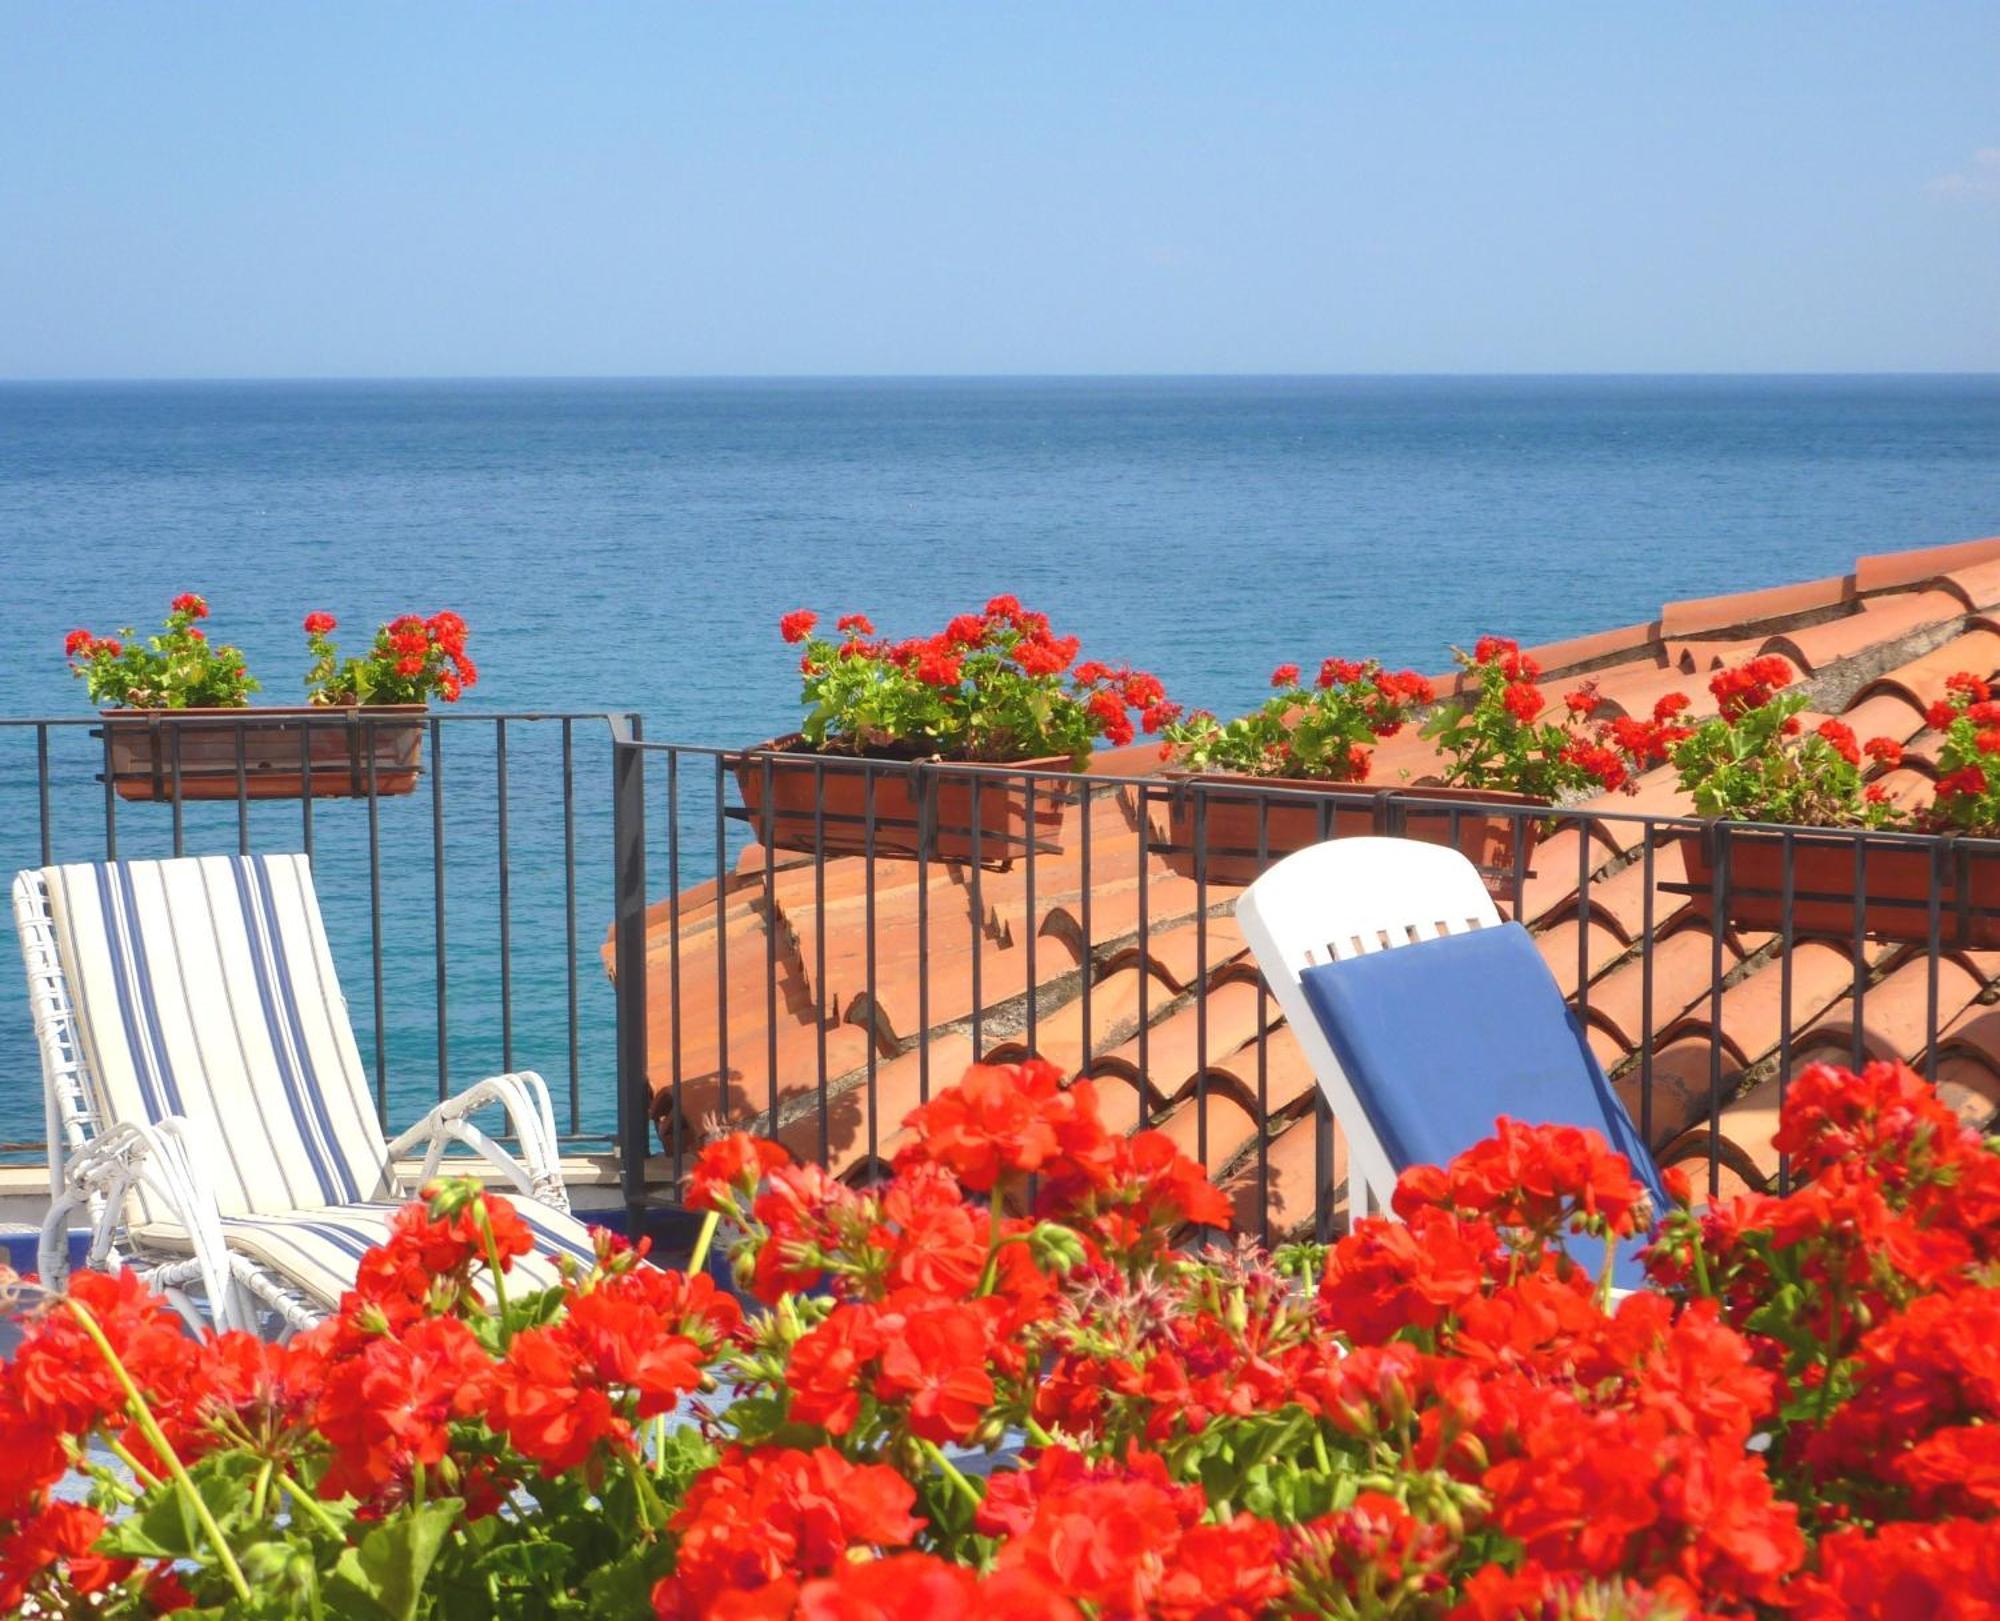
(630, 545)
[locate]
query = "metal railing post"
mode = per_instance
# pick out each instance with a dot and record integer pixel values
(628, 841)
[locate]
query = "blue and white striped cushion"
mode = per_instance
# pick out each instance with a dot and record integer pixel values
(319, 1250)
(203, 987)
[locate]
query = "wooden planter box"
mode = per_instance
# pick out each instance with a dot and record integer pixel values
(1894, 906)
(1497, 845)
(149, 751)
(820, 803)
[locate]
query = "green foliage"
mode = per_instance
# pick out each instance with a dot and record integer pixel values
(1763, 766)
(1326, 731)
(177, 669)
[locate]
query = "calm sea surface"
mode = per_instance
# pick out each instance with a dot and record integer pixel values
(631, 545)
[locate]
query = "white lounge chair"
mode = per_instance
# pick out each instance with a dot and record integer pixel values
(1423, 1015)
(206, 1104)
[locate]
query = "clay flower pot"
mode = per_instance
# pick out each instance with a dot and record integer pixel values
(841, 804)
(1895, 900)
(1234, 825)
(264, 753)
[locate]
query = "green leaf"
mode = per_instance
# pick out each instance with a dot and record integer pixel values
(625, 1586)
(389, 1566)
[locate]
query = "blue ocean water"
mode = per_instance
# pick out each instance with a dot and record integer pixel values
(631, 544)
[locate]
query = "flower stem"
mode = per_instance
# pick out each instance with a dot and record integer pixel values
(492, 1262)
(155, 1438)
(140, 1472)
(703, 1240)
(301, 1498)
(957, 1481)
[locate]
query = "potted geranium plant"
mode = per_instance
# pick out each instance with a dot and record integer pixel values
(1763, 775)
(178, 724)
(1319, 737)
(996, 689)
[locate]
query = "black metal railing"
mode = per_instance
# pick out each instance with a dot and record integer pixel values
(678, 937)
(459, 858)
(738, 1002)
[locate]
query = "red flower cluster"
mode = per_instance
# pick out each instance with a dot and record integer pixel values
(1498, 738)
(1440, 1417)
(1750, 685)
(997, 685)
(411, 659)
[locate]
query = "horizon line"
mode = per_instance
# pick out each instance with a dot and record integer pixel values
(185, 379)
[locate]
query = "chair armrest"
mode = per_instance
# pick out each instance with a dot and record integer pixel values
(159, 1160)
(536, 1172)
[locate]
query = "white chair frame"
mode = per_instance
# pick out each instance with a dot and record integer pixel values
(95, 1164)
(1350, 898)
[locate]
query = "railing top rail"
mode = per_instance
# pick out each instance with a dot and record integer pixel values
(270, 715)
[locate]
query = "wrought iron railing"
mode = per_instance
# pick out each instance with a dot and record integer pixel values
(462, 859)
(636, 946)
(1737, 901)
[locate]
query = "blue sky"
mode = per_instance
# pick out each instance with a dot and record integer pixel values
(459, 188)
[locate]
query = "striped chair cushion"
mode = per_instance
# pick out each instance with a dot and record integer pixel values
(318, 1250)
(203, 987)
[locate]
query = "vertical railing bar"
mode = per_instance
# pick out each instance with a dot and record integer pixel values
(1028, 887)
(926, 807)
(770, 966)
(569, 924)
(1646, 944)
(721, 942)
(874, 1011)
(1323, 1124)
(110, 796)
(1145, 957)
(375, 934)
(1935, 933)
(678, 1146)
(628, 837)
(242, 791)
(306, 782)
(1201, 974)
(174, 790)
(1860, 943)
(978, 930)
(1263, 1051)
(42, 791)
(501, 855)
(821, 1012)
(1719, 896)
(437, 903)
(1583, 920)
(1787, 889)
(1086, 1042)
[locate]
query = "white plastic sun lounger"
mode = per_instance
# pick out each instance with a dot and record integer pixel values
(207, 1108)
(1423, 1015)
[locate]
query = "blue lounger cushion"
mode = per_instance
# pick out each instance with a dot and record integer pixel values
(1440, 1037)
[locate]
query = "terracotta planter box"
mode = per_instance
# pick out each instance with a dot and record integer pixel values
(842, 788)
(149, 751)
(1896, 902)
(1497, 845)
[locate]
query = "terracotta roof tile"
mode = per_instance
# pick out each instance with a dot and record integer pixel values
(1879, 643)
(1604, 647)
(1977, 585)
(1682, 619)
(1875, 622)
(1922, 679)
(1887, 569)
